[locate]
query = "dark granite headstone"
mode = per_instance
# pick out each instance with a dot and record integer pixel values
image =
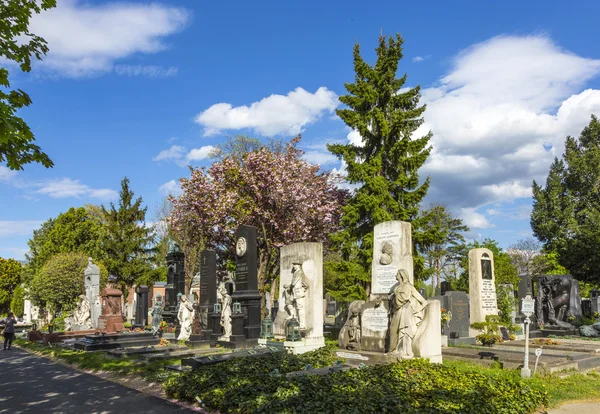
(175, 284)
(525, 288)
(141, 307)
(445, 285)
(208, 288)
(246, 280)
(423, 292)
(458, 304)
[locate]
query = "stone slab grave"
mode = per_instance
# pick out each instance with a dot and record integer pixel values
(195, 363)
(482, 290)
(143, 350)
(300, 297)
(182, 353)
(113, 341)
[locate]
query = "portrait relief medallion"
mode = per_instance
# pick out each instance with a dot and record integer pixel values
(240, 247)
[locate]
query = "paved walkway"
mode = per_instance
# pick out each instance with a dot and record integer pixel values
(32, 384)
(577, 408)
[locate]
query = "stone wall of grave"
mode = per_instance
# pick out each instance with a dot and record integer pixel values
(392, 251)
(311, 256)
(482, 288)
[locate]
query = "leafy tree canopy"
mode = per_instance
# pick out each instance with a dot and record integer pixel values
(10, 279)
(18, 45)
(72, 231)
(566, 212)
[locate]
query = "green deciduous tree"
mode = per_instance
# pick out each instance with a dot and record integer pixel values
(385, 167)
(10, 279)
(566, 212)
(72, 231)
(18, 45)
(60, 281)
(17, 303)
(127, 241)
(441, 242)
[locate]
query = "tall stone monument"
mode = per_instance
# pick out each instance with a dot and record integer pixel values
(246, 281)
(111, 319)
(301, 294)
(141, 306)
(91, 277)
(208, 288)
(482, 290)
(175, 282)
(392, 251)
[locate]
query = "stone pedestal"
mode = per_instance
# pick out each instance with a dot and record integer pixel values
(482, 290)
(392, 251)
(246, 281)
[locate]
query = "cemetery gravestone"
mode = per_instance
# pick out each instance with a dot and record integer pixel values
(247, 280)
(175, 283)
(458, 304)
(482, 289)
(141, 312)
(392, 251)
(91, 278)
(111, 319)
(445, 286)
(208, 289)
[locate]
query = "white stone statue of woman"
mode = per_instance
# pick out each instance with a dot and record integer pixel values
(186, 317)
(225, 312)
(408, 308)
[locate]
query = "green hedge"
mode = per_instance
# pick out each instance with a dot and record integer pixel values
(247, 385)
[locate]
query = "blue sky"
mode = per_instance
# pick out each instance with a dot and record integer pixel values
(143, 89)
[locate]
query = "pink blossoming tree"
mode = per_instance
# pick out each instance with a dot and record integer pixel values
(288, 199)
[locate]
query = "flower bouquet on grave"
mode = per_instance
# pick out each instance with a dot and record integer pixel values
(445, 317)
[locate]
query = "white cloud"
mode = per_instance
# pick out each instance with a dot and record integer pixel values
(147, 71)
(18, 228)
(170, 188)
(273, 115)
(176, 152)
(473, 219)
(320, 157)
(87, 39)
(181, 157)
(14, 252)
(67, 187)
(500, 115)
(6, 174)
(418, 59)
(201, 153)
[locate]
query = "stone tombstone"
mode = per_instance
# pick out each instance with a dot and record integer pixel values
(445, 286)
(423, 292)
(525, 288)
(111, 319)
(375, 321)
(91, 277)
(458, 304)
(141, 305)
(175, 280)
(558, 302)
(586, 308)
(208, 286)
(392, 251)
(301, 288)
(481, 286)
(246, 279)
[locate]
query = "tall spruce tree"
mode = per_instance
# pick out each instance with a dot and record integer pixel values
(566, 212)
(127, 240)
(385, 166)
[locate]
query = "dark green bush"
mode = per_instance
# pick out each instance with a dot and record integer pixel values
(248, 385)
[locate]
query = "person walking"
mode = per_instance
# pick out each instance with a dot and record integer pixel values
(9, 330)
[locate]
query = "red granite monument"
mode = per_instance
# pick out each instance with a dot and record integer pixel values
(111, 319)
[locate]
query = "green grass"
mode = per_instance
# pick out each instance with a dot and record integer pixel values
(575, 387)
(582, 338)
